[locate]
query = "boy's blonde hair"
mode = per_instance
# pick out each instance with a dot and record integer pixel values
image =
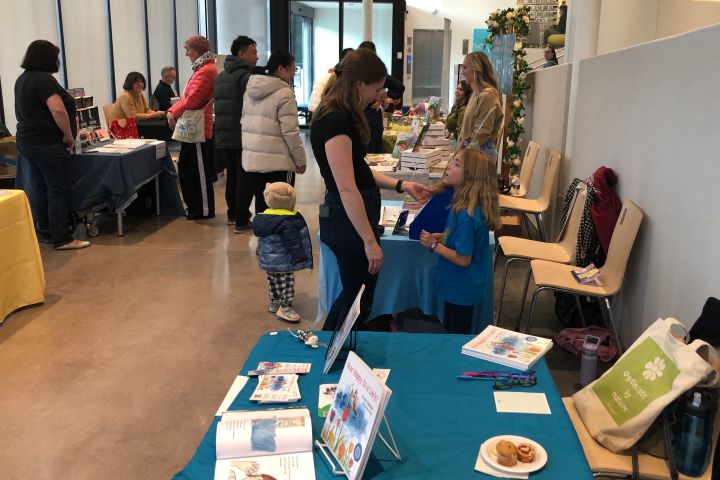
(479, 188)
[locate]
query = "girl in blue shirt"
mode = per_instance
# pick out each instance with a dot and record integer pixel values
(465, 262)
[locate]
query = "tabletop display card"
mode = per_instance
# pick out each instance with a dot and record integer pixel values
(281, 388)
(355, 415)
(274, 443)
(505, 347)
(345, 329)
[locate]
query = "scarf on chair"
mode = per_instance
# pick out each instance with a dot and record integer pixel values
(202, 60)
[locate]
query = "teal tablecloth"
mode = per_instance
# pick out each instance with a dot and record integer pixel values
(438, 422)
(407, 280)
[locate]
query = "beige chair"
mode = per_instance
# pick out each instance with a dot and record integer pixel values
(604, 463)
(536, 206)
(526, 169)
(558, 276)
(563, 251)
(112, 111)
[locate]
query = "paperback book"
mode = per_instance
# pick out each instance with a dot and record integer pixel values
(274, 368)
(354, 418)
(281, 388)
(506, 347)
(265, 444)
(327, 391)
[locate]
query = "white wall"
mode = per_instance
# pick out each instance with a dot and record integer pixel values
(86, 49)
(128, 29)
(187, 25)
(546, 114)
(381, 34)
(247, 18)
(20, 24)
(649, 112)
(160, 31)
(465, 16)
(625, 23)
(325, 33)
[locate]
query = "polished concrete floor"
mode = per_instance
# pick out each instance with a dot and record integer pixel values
(119, 373)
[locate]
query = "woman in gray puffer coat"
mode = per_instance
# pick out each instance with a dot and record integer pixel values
(272, 148)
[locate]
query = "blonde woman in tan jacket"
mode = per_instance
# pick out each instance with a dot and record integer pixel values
(484, 113)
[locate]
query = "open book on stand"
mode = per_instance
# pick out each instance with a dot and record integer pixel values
(353, 422)
(506, 347)
(274, 443)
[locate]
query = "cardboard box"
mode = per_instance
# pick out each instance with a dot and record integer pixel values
(8, 148)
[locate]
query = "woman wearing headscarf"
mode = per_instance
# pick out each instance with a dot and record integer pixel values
(484, 113)
(195, 167)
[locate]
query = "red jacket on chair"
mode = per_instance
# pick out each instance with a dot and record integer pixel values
(198, 92)
(607, 205)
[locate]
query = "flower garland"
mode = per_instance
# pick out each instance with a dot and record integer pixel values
(504, 22)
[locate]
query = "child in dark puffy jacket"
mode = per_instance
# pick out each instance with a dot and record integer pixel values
(283, 247)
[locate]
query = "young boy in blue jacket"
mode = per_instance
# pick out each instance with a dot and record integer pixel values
(283, 247)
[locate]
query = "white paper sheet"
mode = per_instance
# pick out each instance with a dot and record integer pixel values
(519, 402)
(235, 388)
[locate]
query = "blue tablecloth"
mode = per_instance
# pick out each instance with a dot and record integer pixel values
(438, 422)
(112, 180)
(407, 280)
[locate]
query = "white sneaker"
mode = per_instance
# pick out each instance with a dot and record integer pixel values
(273, 306)
(287, 313)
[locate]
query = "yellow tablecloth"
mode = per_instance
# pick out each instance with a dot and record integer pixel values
(22, 279)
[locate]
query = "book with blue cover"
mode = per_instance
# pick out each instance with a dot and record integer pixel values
(506, 347)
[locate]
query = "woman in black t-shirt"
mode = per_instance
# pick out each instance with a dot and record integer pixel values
(45, 137)
(351, 212)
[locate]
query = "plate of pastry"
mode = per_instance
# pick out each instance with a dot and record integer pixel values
(513, 454)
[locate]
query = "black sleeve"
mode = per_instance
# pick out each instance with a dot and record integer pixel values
(394, 86)
(45, 86)
(335, 124)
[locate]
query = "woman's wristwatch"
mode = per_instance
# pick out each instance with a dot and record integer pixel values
(398, 186)
(433, 245)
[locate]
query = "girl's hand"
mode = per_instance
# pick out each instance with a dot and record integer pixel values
(427, 238)
(418, 191)
(374, 254)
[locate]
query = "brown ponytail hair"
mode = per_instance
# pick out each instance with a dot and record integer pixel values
(361, 65)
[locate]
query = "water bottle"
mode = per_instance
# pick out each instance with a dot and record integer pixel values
(588, 360)
(78, 143)
(515, 185)
(693, 441)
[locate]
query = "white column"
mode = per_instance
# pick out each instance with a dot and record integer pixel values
(367, 20)
(445, 88)
(581, 41)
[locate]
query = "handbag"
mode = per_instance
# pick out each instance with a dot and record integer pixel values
(190, 127)
(124, 127)
(620, 406)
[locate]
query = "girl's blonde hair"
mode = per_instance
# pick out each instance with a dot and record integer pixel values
(479, 188)
(483, 73)
(360, 65)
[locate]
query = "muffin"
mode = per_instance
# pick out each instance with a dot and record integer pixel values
(525, 453)
(506, 453)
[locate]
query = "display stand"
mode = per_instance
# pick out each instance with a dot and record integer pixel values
(352, 347)
(336, 470)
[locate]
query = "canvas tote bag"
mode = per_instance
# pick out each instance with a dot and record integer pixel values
(621, 405)
(190, 127)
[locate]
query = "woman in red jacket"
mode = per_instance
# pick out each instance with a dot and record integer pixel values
(195, 168)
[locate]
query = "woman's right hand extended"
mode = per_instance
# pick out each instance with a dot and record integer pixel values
(374, 254)
(69, 142)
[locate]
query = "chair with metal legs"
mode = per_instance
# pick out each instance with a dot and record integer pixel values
(536, 206)
(558, 276)
(522, 249)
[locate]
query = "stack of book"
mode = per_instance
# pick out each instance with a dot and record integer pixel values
(421, 161)
(505, 347)
(435, 137)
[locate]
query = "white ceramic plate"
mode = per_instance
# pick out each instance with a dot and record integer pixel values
(490, 456)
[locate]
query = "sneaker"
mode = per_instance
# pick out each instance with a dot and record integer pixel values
(243, 228)
(74, 245)
(230, 221)
(287, 313)
(273, 307)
